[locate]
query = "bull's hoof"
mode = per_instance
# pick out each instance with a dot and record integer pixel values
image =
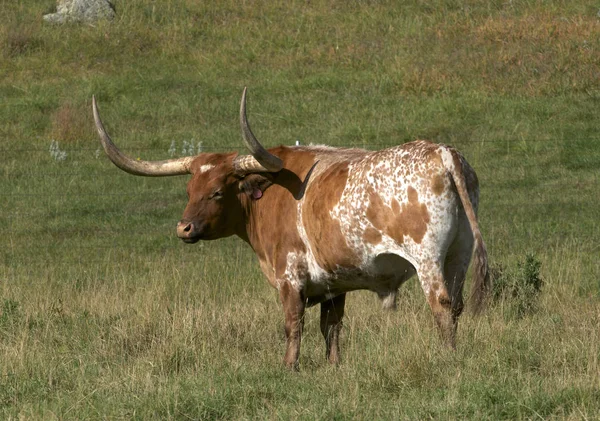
(293, 366)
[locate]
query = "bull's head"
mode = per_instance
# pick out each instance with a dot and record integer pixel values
(219, 186)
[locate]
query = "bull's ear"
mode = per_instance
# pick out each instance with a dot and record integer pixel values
(254, 185)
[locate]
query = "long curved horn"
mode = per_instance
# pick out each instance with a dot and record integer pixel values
(261, 159)
(178, 166)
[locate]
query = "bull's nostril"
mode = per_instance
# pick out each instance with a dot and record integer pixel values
(188, 228)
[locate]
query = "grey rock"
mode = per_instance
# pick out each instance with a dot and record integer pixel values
(88, 11)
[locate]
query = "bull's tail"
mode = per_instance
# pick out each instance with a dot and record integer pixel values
(481, 277)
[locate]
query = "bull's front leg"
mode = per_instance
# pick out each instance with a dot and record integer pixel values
(293, 307)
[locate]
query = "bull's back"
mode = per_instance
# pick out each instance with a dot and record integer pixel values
(397, 200)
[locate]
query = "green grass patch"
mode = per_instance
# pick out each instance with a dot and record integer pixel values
(104, 314)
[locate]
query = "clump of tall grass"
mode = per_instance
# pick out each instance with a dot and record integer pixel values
(9, 312)
(19, 40)
(70, 123)
(519, 287)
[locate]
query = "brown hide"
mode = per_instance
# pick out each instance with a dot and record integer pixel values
(437, 184)
(372, 236)
(271, 221)
(399, 220)
(328, 243)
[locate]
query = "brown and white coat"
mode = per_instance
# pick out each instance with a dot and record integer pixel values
(325, 221)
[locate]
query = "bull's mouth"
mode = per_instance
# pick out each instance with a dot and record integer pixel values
(191, 240)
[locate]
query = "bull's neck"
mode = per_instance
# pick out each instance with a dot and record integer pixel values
(254, 227)
(272, 219)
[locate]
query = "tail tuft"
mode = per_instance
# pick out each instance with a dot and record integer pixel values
(481, 277)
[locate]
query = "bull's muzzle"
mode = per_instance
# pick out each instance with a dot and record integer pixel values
(188, 231)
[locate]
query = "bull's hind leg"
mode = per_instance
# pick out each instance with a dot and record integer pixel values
(332, 312)
(432, 281)
(293, 307)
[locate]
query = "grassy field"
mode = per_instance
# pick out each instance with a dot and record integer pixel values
(105, 314)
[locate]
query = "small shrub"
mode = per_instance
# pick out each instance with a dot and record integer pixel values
(56, 153)
(188, 148)
(520, 286)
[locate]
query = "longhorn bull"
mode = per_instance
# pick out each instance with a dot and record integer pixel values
(325, 221)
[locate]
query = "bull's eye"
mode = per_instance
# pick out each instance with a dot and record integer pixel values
(217, 194)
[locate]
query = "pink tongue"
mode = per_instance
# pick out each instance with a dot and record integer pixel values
(256, 194)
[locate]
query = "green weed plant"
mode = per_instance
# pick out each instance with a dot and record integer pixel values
(520, 287)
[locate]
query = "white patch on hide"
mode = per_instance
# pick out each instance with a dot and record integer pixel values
(206, 167)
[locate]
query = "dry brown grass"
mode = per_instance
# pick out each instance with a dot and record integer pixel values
(20, 39)
(70, 123)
